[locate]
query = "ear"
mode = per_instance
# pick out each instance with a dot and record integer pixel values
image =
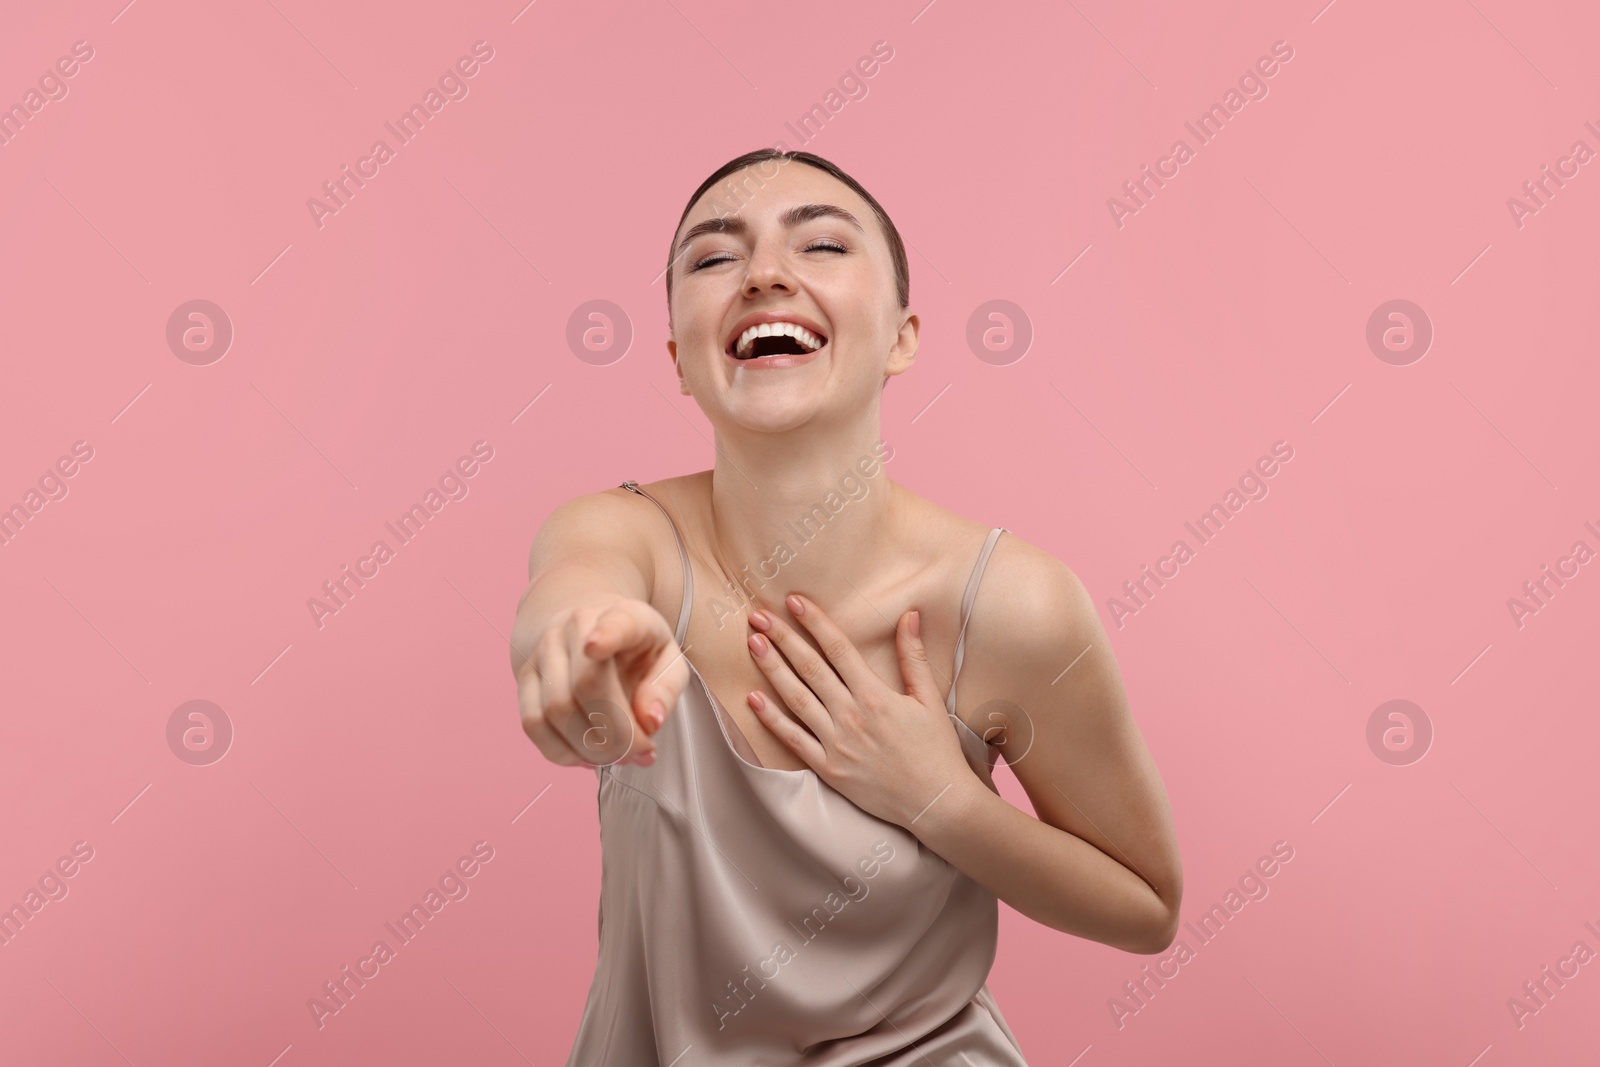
(672, 350)
(903, 353)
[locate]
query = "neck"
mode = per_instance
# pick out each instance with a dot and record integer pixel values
(791, 516)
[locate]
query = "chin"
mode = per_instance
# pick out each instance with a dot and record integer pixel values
(771, 421)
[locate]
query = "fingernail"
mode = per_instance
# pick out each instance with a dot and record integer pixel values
(760, 621)
(795, 604)
(647, 759)
(916, 624)
(758, 644)
(658, 715)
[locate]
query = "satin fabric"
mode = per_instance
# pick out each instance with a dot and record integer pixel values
(755, 917)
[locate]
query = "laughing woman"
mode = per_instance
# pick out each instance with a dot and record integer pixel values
(802, 842)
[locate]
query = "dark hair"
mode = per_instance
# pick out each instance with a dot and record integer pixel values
(897, 248)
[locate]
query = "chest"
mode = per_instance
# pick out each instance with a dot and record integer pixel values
(718, 630)
(731, 673)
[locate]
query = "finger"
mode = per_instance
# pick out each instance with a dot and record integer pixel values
(555, 692)
(796, 694)
(595, 737)
(615, 630)
(663, 678)
(608, 732)
(551, 744)
(613, 737)
(788, 731)
(636, 640)
(600, 641)
(809, 665)
(840, 651)
(914, 665)
(644, 655)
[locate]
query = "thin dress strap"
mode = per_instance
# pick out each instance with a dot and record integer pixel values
(966, 611)
(683, 555)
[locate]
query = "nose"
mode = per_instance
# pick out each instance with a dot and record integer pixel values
(768, 270)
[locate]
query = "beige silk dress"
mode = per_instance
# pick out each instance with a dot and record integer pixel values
(753, 916)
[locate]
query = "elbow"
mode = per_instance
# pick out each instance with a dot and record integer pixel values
(1151, 938)
(1162, 929)
(1161, 937)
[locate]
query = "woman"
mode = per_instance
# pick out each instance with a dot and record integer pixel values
(802, 842)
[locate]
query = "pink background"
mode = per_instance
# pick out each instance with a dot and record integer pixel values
(1227, 314)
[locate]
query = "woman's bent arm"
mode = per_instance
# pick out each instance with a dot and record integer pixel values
(1047, 874)
(1101, 861)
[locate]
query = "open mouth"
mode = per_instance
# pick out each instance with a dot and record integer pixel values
(775, 339)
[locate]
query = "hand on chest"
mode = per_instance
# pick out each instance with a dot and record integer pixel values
(730, 672)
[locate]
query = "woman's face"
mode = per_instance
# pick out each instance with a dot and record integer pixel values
(785, 248)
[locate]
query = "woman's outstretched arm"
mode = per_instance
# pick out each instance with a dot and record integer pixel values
(1101, 860)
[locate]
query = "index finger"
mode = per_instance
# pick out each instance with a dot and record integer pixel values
(835, 645)
(651, 662)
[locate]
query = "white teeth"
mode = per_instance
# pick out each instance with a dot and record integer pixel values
(771, 329)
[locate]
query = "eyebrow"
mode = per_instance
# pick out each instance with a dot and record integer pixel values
(735, 224)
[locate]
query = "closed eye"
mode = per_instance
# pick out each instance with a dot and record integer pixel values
(823, 245)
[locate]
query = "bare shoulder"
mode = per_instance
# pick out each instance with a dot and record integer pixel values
(615, 527)
(612, 529)
(682, 497)
(599, 519)
(1032, 594)
(1022, 585)
(1032, 620)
